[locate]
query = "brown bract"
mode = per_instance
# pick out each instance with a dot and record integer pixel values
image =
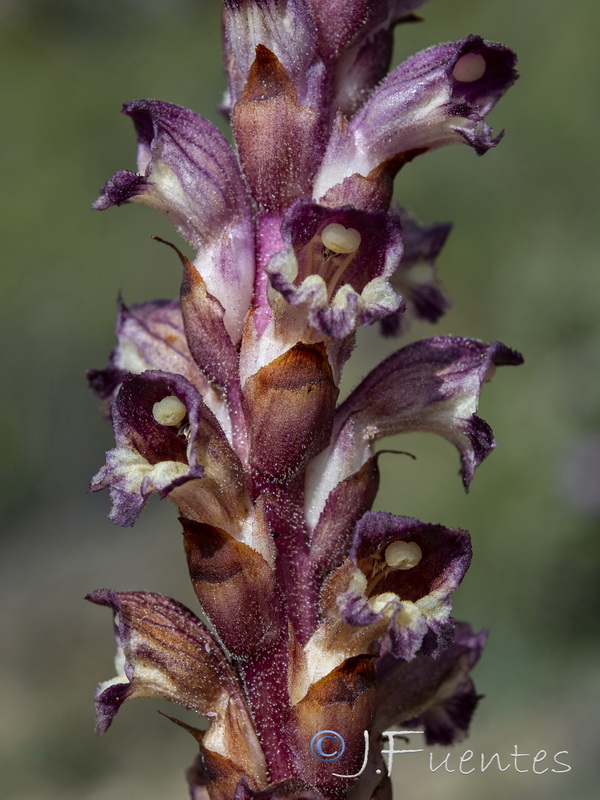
(289, 405)
(342, 701)
(235, 587)
(276, 137)
(207, 337)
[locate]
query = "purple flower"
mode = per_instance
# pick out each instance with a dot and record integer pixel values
(187, 170)
(391, 590)
(319, 616)
(337, 264)
(164, 651)
(415, 279)
(438, 97)
(432, 386)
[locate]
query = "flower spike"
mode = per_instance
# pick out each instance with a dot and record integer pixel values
(322, 623)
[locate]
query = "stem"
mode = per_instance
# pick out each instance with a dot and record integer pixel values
(266, 679)
(285, 512)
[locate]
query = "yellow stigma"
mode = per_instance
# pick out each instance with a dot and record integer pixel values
(380, 601)
(169, 411)
(469, 68)
(339, 239)
(403, 555)
(409, 614)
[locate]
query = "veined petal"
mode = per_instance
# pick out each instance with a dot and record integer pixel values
(415, 279)
(151, 336)
(357, 35)
(166, 437)
(285, 27)
(336, 265)
(342, 23)
(190, 173)
(186, 169)
(436, 692)
(438, 97)
(163, 651)
(432, 385)
(360, 68)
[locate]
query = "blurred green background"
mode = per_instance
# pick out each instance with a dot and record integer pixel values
(521, 265)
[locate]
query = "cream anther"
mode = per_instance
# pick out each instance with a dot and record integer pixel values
(469, 68)
(339, 239)
(403, 555)
(169, 411)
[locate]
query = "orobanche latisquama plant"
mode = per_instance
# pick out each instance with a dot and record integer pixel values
(321, 620)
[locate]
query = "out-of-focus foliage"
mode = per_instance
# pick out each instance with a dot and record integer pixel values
(520, 265)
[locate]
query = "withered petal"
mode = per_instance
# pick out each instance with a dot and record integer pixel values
(436, 692)
(164, 651)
